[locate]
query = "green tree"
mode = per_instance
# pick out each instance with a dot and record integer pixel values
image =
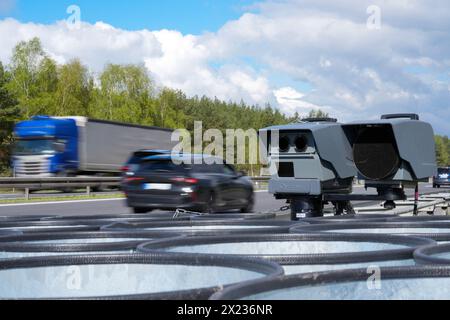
(9, 113)
(169, 110)
(442, 154)
(33, 77)
(125, 94)
(44, 101)
(447, 143)
(317, 114)
(74, 90)
(25, 62)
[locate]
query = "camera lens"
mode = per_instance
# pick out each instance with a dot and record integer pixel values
(375, 153)
(284, 144)
(301, 143)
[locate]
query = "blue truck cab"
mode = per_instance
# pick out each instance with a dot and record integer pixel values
(45, 147)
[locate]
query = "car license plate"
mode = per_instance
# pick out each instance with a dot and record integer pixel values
(157, 186)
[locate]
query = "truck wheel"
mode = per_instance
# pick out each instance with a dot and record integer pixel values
(65, 174)
(101, 189)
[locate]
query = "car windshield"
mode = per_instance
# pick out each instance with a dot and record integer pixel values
(443, 171)
(44, 146)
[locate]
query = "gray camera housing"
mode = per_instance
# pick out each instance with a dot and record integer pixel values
(398, 149)
(323, 165)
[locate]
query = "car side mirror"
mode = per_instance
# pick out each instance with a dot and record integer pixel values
(60, 147)
(241, 174)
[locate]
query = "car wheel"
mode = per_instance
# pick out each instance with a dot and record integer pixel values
(140, 210)
(250, 204)
(211, 206)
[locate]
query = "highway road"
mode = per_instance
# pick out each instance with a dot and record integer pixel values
(264, 203)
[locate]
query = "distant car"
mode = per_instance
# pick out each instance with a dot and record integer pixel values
(160, 183)
(442, 178)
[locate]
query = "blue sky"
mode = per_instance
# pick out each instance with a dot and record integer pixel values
(187, 16)
(296, 55)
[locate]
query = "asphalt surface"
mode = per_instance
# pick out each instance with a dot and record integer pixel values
(264, 203)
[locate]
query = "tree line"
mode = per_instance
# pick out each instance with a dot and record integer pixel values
(442, 151)
(34, 84)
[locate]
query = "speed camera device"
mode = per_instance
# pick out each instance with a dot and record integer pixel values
(307, 160)
(316, 161)
(395, 149)
(393, 153)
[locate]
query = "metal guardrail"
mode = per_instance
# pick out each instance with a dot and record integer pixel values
(28, 184)
(260, 179)
(89, 183)
(58, 182)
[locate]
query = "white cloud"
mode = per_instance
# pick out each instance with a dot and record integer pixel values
(95, 44)
(175, 60)
(185, 64)
(359, 72)
(354, 72)
(290, 101)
